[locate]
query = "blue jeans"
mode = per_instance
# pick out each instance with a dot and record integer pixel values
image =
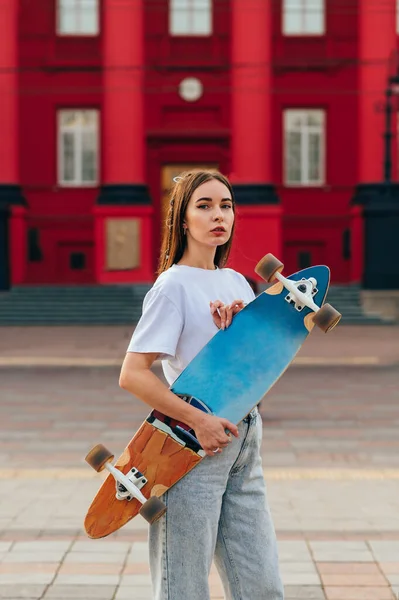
(219, 512)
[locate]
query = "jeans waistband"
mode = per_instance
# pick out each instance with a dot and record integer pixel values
(250, 416)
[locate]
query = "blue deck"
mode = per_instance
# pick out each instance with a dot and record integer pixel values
(239, 365)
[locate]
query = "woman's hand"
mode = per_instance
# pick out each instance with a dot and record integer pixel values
(223, 313)
(211, 433)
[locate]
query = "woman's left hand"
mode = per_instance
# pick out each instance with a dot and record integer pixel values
(223, 313)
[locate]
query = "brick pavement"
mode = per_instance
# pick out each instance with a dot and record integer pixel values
(331, 461)
(106, 345)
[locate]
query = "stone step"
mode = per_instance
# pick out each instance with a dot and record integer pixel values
(121, 304)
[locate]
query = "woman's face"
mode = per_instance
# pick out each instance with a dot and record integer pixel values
(210, 207)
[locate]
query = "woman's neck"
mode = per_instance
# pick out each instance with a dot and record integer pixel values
(182, 263)
(200, 262)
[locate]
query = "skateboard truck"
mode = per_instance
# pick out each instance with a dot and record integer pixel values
(304, 286)
(126, 483)
(296, 288)
(137, 478)
(301, 293)
(127, 486)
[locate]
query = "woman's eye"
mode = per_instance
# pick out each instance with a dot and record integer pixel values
(223, 205)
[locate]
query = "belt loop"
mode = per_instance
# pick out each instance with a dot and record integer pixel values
(250, 416)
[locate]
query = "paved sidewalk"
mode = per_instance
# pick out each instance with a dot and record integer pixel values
(331, 461)
(106, 346)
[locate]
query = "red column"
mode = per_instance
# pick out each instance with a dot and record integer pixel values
(123, 116)
(8, 92)
(124, 195)
(377, 49)
(251, 37)
(12, 212)
(259, 215)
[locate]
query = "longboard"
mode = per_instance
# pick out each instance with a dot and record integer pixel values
(254, 352)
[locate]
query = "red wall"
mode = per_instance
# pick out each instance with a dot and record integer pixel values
(55, 72)
(59, 72)
(319, 72)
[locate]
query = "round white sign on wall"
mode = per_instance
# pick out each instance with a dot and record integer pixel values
(190, 89)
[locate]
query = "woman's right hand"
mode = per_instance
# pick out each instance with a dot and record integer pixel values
(211, 433)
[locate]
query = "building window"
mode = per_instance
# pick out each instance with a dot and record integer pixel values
(304, 143)
(78, 17)
(78, 147)
(303, 17)
(190, 17)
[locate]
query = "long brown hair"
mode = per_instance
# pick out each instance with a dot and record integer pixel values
(174, 241)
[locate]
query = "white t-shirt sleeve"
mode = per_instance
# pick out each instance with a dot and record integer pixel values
(159, 327)
(248, 292)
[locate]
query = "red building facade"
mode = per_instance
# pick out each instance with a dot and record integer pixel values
(102, 108)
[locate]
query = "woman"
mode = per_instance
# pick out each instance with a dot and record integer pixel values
(219, 510)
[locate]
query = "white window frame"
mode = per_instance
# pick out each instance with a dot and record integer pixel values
(303, 7)
(193, 7)
(77, 6)
(77, 130)
(304, 130)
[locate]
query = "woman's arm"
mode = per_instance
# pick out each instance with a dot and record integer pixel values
(137, 378)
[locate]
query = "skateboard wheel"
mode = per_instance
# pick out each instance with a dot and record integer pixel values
(326, 318)
(268, 266)
(98, 457)
(153, 509)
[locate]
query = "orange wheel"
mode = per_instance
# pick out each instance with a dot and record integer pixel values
(326, 318)
(98, 457)
(153, 509)
(268, 266)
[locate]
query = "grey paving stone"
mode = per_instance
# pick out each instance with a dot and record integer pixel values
(34, 557)
(5, 546)
(95, 557)
(388, 555)
(336, 556)
(138, 553)
(80, 592)
(134, 593)
(101, 546)
(300, 578)
(303, 592)
(82, 579)
(293, 551)
(42, 546)
(8, 592)
(24, 525)
(26, 578)
(298, 567)
(338, 546)
(384, 545)
(136, 580)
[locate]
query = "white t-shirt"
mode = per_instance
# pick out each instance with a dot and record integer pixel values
(176, 321)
